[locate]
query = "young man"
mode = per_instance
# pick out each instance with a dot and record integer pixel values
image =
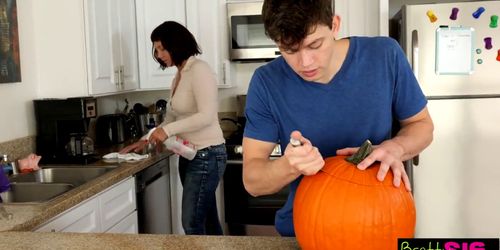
(331, 95)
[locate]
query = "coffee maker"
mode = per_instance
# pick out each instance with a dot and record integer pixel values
(62, 126)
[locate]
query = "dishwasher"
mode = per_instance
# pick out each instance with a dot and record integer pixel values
(153, 199)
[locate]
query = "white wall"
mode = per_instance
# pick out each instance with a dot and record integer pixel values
(16, 108)
(242, 76)
(51, 41)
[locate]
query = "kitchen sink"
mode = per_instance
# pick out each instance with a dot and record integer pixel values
(34, 192)
(75, 176)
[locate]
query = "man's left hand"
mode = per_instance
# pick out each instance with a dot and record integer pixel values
(389, 154)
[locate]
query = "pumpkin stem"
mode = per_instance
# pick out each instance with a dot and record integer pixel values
(361, 154)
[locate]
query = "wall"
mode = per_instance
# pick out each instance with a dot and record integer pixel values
(17, 119)
(52, 50)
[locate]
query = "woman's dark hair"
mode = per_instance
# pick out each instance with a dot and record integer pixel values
(288, 22)
(177, 40)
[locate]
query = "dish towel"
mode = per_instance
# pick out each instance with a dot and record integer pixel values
(127, 157)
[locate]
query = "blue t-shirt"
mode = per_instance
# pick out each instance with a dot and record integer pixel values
(374, 86)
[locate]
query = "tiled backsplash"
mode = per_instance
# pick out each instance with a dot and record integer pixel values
(18, 148)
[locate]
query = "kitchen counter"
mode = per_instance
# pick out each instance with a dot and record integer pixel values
(28, 217)
(15, 232)
(29, 240)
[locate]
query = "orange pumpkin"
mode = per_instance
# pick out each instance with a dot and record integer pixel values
(342, 207)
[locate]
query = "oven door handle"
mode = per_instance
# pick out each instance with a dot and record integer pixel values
(234, 162)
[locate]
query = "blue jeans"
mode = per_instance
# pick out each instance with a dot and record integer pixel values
(199, 178)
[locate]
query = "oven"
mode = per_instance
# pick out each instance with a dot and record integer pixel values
(245, 214)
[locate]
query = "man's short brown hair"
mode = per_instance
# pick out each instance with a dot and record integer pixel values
(288, 22)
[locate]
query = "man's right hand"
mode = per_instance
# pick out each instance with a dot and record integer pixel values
(305, 158)
(137, 147)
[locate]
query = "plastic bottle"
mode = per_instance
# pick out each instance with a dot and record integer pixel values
(181, 147)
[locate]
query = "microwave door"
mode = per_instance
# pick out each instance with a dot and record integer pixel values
(249, 40)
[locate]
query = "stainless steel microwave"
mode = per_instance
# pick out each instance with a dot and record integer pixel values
(248, 40)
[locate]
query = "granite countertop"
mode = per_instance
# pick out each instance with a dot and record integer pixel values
(28, 217)
(29, 240)
(15, 232)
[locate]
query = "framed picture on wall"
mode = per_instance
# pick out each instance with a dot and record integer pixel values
(10, 62)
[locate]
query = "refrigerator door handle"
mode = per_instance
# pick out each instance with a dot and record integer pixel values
(414, 52)
(416, 160)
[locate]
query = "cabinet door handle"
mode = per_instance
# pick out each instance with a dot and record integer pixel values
(122, 76)
(117, 77)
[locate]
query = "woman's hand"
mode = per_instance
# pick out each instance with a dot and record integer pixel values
(158, 136)
(137, 146)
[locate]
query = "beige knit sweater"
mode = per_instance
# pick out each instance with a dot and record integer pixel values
(192, 110)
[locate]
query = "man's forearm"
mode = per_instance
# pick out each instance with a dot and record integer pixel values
(265, 176)
(414, 138)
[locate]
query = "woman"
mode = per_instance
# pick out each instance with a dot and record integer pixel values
(192, 115)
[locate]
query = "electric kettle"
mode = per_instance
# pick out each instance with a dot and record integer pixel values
(111, 129)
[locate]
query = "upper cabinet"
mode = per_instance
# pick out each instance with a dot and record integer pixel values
(150, 14)
(201, 17)
(207, 21)
(112, 58)
(363, 17)
(102, 47)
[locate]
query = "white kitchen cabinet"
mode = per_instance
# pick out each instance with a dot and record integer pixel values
(363, 17)
(208, 22)
(150, 14)
(128, 225)
(175, 195)
(105, 211)
(202, 18)
(86, 47)
(83, 218)
(116, 203)
(58, 56)
(102, 47)
(112, 60)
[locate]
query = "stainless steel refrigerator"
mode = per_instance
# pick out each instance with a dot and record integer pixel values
(454, 50)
